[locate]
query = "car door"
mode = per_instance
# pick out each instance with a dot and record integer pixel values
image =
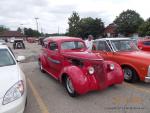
(54, 59)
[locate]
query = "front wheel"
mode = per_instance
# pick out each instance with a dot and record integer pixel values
(130, 75)
(41, 67)
(69, 87)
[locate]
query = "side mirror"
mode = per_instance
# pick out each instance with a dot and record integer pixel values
(20, 58)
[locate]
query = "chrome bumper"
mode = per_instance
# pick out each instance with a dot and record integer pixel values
(147, 79)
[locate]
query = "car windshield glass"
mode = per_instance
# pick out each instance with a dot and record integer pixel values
(72, 45)
(124, 45)
(6, 58)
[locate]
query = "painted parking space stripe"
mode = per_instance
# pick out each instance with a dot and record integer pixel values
(38, 98)
(136, 88)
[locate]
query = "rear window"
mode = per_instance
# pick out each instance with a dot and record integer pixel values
(6, 58)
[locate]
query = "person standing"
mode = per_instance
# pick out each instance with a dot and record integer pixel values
(88, 42)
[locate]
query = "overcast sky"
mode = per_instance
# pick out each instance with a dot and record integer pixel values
(53, 14)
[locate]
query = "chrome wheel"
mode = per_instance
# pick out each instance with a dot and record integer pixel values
(41, 67)
(69, 85)
(128, 74)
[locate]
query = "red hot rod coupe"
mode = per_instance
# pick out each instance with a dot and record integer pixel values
(79, 70)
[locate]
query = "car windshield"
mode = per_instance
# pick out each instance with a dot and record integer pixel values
(6, 58)
(124, 45)
(70, 45)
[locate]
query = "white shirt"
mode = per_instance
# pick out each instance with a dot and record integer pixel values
(89, 44)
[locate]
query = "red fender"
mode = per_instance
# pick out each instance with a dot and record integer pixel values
(43, 61)
(116, 76)
(79, 80)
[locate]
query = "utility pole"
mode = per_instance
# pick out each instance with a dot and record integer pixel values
(58, 30)
(36, 20)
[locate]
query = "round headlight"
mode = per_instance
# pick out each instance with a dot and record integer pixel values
(91, 70)
(111, 66)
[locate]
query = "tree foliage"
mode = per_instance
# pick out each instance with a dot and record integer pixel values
(3, 28)
(144, 29)
(31, 33)
(128, 22)
(84, 26)
(91, 26)
(74, 24)
(19, 30)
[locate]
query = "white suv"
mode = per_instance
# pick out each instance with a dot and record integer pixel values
(12, 83)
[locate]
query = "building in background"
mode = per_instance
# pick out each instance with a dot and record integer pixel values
(110, 30)
(8, 35)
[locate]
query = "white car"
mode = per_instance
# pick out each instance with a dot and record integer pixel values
(12, 40)
(13, 91)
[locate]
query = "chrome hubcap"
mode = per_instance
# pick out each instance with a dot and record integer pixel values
(70, 86)
(40, 66)
(127, 74)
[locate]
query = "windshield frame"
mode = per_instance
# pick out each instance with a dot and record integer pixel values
(11, 56)
(116, 50)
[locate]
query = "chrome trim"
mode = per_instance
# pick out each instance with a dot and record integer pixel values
(84, 58)
(54, 61)
(147, 79)
(112, 46)
(108, 45)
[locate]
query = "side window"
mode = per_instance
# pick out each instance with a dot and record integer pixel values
(53, 46)
(103, 46)
(147, 43)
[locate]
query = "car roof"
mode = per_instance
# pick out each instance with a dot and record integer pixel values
(61, 38)
(118, 38)
(3, 46)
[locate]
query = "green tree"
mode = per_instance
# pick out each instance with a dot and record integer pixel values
(73, 24)
(19, 29)
(91, 26)
(144, 29)
(31, 33)
(3, 28)
(128, 22)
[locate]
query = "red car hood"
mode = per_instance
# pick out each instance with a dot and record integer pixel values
(83, 55)
(141, 55)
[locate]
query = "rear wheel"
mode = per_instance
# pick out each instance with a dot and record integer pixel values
(69, 87)
(130, 75)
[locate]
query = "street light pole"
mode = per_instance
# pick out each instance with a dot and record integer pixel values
(36, 20)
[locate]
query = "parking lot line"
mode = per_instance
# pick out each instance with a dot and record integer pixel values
(137, 88)
(38, 98)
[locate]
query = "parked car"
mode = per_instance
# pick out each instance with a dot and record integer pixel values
(81, 71)
(135, 63)
(144, 44)
(2, 42)
(13, 89)
(18, 44)
(12, 40)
